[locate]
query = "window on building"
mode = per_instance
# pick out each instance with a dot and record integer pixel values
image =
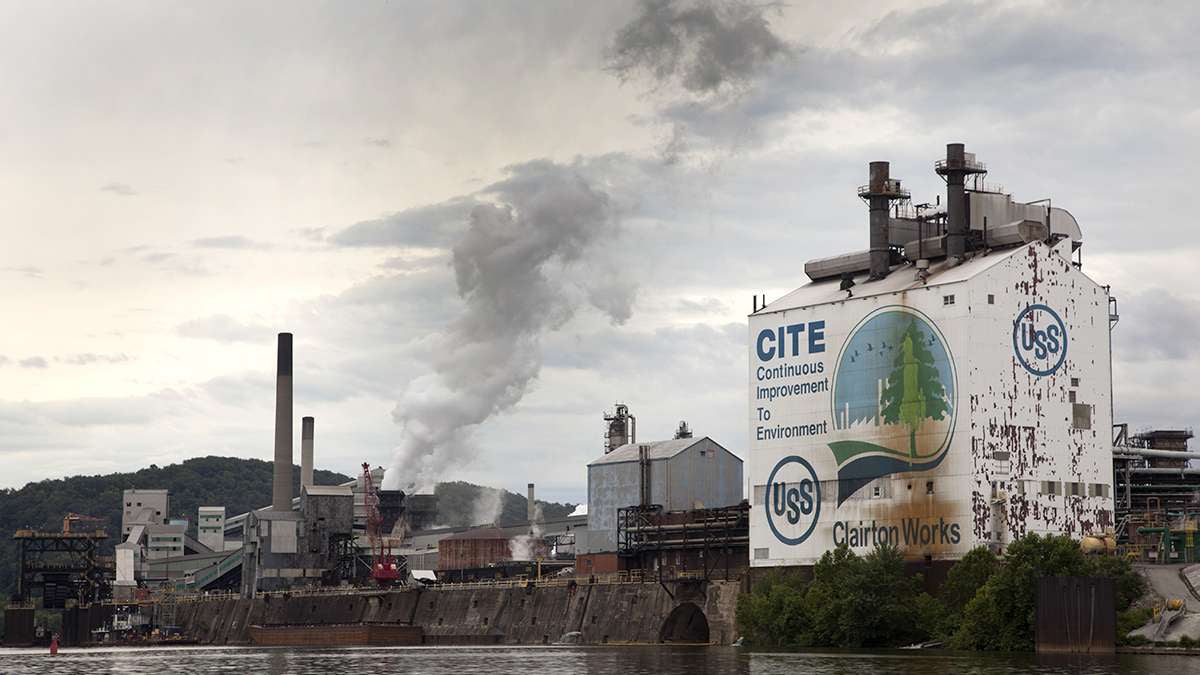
(1051, 487)
(1074, 381)
(762, 553)
(991, 299)
(1081, 416)
(948, 299)
(1071, 396)
(929, 487)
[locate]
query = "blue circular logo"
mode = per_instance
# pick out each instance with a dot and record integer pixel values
(793, 497)
(1040, 340)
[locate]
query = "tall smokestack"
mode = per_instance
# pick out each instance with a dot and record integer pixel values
(956, 203)
(530, 511)
(880, 253)
(954, 169)
(281, 495)
(879, 193)
(306, 452)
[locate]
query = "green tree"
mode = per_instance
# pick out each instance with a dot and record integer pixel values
(963, 581)
(851, 601)
(913, 391)
(1002, 615)
(774, 613)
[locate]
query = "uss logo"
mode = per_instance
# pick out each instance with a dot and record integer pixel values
(1040, 340)
(792, 500)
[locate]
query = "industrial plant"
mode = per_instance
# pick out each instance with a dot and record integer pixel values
(947, 388)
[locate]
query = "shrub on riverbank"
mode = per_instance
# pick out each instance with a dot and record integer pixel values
(850, 601)
(985, 604)
(1002, 614)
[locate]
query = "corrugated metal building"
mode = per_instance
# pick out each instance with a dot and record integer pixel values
(684, 473)
(479, 548)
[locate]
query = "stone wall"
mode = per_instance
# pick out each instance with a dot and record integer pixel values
(603, 613)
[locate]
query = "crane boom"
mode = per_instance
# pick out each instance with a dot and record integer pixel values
(384, 569)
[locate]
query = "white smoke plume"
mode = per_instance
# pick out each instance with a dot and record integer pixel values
(487, 507)
(528, 546)
(526, 263)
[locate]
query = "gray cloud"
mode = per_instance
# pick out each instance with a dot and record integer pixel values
(1157, 324)
(433, 225)
(224, 328)
(703, 46)
(33, 362)
(702, 306)
(233, 242)
(119, 189)
(382, 143)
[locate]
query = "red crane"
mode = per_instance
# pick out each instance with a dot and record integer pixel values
(384, 569)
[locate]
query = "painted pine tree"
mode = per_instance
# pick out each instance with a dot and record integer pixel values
(913, 391)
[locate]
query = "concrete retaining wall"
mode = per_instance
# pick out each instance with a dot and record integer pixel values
(618, 613)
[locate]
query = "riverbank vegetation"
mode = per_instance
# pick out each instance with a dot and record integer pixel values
(986, 603)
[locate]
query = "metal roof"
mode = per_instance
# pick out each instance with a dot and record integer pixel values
(902, 278)
(329, 490)
(658, 450)
(481, 533)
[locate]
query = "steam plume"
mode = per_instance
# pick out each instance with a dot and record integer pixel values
(527, 546)
(522, 269)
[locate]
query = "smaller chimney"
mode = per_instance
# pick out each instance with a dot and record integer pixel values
(957, 165)
(306, 452)
(879, 192)
(530, 508)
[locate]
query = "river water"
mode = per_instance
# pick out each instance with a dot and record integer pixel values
(657, 660)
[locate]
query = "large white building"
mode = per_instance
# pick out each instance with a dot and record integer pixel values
(949, 389)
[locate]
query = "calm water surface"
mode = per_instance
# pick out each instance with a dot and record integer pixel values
(553, 660)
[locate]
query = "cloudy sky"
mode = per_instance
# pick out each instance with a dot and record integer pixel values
(487, 222)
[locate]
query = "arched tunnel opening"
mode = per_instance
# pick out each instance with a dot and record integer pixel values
(685, 623)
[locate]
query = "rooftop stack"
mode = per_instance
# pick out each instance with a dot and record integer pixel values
(879, 193)
(306, 452)
(954, 169)
(281, 495)
(530, 509)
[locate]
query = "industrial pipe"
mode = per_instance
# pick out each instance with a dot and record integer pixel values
(1166, 472)
(1150, 452)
